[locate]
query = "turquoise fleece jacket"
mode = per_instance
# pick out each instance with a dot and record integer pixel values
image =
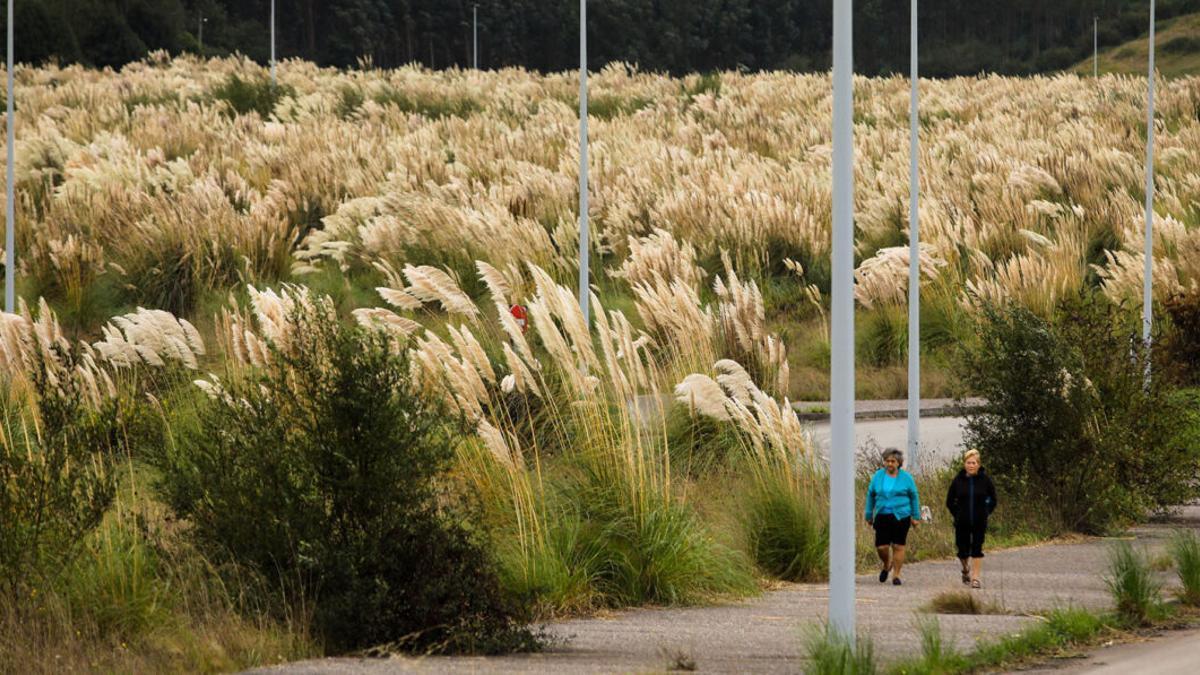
(901, 501)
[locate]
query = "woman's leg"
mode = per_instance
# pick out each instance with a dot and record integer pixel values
(897, 560)
(884, 555)
(980, 531)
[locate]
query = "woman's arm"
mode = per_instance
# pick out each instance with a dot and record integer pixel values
(870, 506)
(914, 499)
(952, 498)
(991, 495)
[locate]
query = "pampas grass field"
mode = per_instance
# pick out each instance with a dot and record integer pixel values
(173, 219)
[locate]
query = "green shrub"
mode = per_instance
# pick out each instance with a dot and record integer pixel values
(1135, 590)
(322, 474)
(1182, 44)
(57, 458)
(1185, 549)
(830, 653)
(255, 94)
(1071, 421)
(1182, 341)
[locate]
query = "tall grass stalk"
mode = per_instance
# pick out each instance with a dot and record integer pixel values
(1185, 549)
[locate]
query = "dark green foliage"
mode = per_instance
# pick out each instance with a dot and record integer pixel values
(959, 37)
(251, 95)
(1184, 44)
(1071, 422)
(699, 444)
(1183, 339)
(322, 474)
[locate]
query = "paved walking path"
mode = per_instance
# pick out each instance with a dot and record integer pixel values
(763, 635)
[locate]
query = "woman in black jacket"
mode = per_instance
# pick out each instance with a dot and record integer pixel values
(971, 499)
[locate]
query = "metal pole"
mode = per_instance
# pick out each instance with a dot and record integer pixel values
(1148, 282)
(583, 162)
(200, 35)
(914, 253)
(10, 243)
(475, 36)
(842, 514)
(1095, 46)
(273, 43)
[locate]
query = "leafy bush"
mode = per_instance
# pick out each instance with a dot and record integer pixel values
(1135, 590)
(1185, 549)
(1071, 421)
(56, 468)
(322, 474)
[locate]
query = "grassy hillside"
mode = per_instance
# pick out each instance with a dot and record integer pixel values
(1178, 43)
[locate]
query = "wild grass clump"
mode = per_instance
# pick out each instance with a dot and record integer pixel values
(1185, 549)
(786, 527)
(1060, 629)
(937, 656)
(961, 602)
(1136, 592)
(827, 652)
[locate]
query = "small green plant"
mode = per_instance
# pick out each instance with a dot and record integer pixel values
(961, 602)
(1135, 591)
(1061, 628)
(1185, 550)
(937, 656)
(829, 653)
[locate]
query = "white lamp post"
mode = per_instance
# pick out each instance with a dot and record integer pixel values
(842, 514)
(583, 162)
(272, 43)
(475, 36)
(10, 267)
(1148, 283)
(914, 253)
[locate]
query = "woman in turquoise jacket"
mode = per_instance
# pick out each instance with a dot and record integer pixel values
(892, 507)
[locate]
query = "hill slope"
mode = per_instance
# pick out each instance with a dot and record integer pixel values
(1178, 51)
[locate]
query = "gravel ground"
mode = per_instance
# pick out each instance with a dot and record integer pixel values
(764, 634)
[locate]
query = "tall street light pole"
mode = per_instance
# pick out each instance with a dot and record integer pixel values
(841, 455)
(1095, 46)
(583, 162)
(10, 243)
(200, 34)
(914, 252)
(1148, 282)
(273, 82)
(475, 36)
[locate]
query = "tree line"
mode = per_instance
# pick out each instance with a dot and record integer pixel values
(958, 36)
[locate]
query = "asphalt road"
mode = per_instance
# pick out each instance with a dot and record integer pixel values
(1171, 654)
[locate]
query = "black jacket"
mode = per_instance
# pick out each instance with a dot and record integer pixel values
(971, 500)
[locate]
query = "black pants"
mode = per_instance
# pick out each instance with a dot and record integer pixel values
(891, 531)
(968, 537)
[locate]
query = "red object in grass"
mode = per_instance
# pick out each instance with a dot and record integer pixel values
(521, 315)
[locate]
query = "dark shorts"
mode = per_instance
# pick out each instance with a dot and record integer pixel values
(968, 537)
(890, 531)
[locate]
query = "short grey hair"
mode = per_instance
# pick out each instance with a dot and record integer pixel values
(894, 452)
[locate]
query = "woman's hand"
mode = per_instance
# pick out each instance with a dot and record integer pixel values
(867, 521)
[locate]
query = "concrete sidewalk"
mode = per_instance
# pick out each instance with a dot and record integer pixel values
(763, 635)
(886, 409)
